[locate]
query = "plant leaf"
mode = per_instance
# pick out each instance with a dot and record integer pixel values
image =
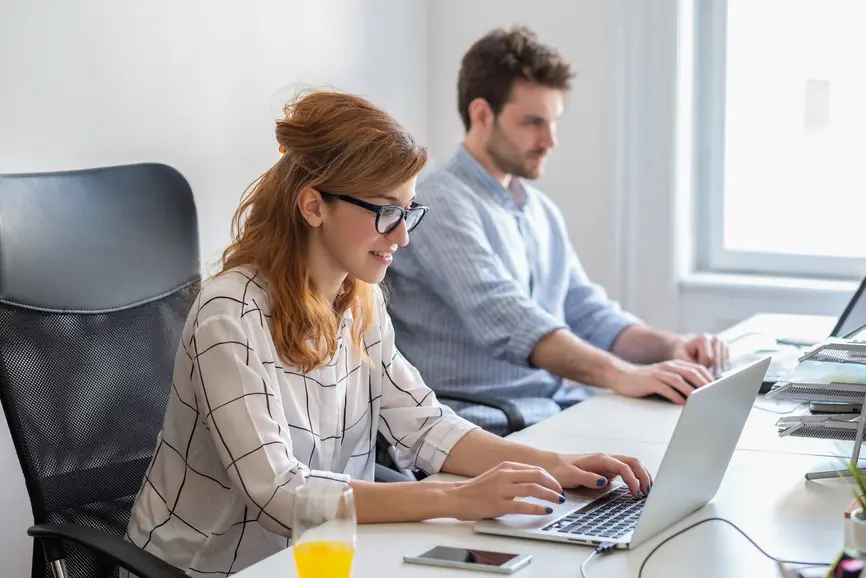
(860, 490)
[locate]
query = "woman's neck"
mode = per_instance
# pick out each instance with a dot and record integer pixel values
(327, 278)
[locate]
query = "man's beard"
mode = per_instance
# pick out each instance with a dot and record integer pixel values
(508, 159)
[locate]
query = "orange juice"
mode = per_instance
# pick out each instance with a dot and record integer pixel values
(325, 559)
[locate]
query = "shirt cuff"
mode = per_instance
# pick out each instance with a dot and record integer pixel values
(607, 330)
(441, 439)
(325, 489)
(528, 333)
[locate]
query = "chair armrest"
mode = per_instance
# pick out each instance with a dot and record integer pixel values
(386, 474)
(512, 413)
(127, 555)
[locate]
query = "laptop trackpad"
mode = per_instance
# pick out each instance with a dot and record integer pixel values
(574, 500)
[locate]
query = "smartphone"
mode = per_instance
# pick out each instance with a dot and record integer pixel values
(834, 407)
(469, 559)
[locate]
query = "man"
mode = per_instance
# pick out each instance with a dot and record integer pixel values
(489, 297)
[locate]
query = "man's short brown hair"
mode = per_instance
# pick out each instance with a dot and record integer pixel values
(503, 56)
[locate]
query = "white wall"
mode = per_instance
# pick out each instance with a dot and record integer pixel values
(190, 84)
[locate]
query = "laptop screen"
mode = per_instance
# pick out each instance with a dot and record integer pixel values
(854, 316)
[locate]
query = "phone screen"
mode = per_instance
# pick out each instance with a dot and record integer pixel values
(480, 557)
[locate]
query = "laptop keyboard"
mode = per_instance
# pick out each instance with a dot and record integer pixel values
(611, 516)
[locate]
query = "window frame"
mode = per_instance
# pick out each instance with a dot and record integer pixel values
(709, 73)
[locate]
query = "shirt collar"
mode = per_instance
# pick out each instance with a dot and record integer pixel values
(470, 170)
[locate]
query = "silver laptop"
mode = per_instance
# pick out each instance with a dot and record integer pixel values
(786, 350)
(689, 476)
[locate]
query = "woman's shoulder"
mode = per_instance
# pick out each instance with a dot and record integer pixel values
(236, 293)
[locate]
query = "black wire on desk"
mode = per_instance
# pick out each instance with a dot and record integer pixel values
(735, 527)
(609, 546)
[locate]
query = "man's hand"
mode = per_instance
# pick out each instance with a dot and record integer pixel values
(704, 349)
(674, 380)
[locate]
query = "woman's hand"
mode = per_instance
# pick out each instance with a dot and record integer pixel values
(493, 493)
(598, 470)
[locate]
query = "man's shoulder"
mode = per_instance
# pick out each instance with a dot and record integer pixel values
(441, 184)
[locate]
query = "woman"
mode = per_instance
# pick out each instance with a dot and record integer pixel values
(287, 366)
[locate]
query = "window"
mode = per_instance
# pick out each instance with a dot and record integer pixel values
(780, 137)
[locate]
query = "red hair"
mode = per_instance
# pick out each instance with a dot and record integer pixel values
(340, 143)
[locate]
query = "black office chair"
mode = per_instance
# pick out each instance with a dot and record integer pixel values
(511, 419)
(98, 270)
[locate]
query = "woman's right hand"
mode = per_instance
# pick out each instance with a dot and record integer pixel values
(493, 493)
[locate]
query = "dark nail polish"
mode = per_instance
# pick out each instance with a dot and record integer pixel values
(561, 499)
(640, 494)
(548, 510)
(600, 482)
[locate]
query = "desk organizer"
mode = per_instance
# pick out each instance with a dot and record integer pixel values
(832, 371)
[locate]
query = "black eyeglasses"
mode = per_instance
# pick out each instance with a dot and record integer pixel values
(388, 217)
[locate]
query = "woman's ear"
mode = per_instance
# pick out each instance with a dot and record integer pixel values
(312, 206)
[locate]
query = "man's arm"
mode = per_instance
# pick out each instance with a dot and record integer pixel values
(454, 254)
(589, 312)
(643, 344)
(563, 353)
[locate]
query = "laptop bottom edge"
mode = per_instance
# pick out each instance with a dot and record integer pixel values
(493, 529)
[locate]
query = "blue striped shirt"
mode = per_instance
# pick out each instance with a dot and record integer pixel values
(488, 273)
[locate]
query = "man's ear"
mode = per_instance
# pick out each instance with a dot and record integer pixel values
(481, 114)
(312, 206)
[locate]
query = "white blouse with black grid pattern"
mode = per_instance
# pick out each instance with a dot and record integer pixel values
(242, 431)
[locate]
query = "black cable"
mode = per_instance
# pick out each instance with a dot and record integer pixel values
(606, 547)
(734, 526)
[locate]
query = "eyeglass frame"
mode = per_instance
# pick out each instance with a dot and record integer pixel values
(379, 209)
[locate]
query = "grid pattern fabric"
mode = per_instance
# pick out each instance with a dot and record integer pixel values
(243, 430)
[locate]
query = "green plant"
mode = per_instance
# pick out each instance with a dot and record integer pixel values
(859, 490)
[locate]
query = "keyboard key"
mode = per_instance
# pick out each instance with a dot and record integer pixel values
(613, 515)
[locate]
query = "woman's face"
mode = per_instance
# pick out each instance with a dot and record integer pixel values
(349, 235)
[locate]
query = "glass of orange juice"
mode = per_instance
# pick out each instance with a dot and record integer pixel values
(323, 531)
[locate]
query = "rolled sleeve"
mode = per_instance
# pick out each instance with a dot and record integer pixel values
(589, 312)
(460, 266)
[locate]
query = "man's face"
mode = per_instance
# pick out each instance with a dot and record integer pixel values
(524, 132)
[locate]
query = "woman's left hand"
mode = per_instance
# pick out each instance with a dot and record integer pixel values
(598, 470)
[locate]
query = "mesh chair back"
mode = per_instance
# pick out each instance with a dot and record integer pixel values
(98, 270)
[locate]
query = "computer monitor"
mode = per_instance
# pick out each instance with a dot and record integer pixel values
(854, 316)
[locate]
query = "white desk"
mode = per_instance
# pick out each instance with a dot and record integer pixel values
(782, 326)
(764, 492)
(657, 420)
